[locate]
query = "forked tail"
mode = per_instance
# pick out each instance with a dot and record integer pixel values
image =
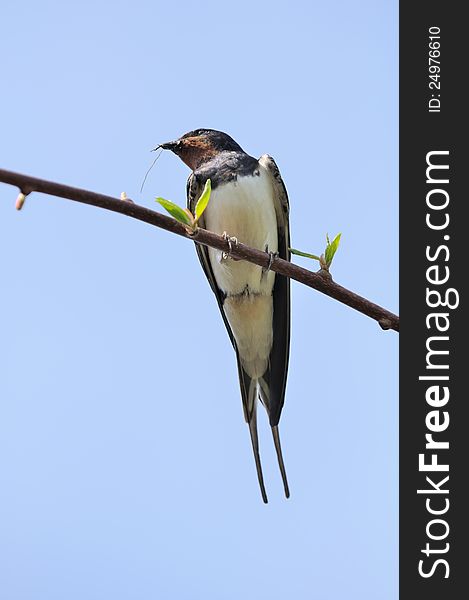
(281, 464)
(255, 449)
(260, 388)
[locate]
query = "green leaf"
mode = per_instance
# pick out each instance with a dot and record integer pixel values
(331, 248)
(175, 211)
(300, 253)
(203, 200)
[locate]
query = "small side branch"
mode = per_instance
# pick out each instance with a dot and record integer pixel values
(320, 281)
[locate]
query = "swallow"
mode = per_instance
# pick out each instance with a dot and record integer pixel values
(248, 203)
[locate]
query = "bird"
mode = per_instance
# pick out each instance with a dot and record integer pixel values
(249, 204)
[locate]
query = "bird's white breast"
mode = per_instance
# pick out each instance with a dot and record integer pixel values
(245, 209)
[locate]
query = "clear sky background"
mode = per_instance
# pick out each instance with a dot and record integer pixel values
(125, 463)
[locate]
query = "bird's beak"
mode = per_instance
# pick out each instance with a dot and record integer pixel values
(168, 145)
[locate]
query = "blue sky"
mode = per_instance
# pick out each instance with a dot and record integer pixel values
(125, 463)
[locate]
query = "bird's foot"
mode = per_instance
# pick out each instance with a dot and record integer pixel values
(231, 241)
(272, 257)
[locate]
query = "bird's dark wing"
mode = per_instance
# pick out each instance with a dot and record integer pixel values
(194, 189)
(195, 186)
(276, 377)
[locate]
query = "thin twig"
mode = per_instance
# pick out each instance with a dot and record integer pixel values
(319, 281)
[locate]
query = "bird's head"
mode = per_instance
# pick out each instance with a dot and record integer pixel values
(201, 145)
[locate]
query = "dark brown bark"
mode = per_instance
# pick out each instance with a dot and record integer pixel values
(321, 281)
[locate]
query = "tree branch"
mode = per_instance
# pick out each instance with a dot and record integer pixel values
(321, 281)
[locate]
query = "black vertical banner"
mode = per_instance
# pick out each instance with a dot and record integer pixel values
(434, 263)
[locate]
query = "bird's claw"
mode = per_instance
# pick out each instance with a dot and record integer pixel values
(230, 241)
(272, 257)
